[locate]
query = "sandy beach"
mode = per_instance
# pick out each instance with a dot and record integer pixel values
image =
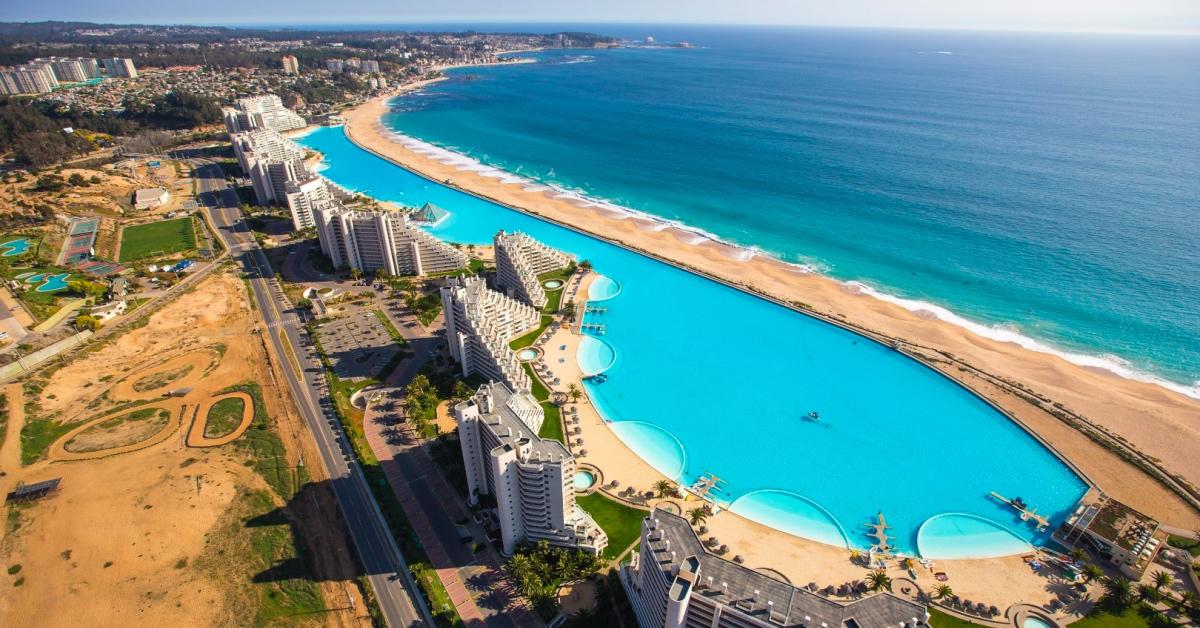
(1161, 424)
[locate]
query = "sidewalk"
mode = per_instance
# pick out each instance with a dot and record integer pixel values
(475, 582)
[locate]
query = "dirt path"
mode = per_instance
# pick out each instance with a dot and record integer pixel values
(10, 451)
(59, 453)
(196, 437)
(197, 363)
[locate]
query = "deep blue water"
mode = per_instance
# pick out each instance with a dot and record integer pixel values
(693, 394)
(1043, 185)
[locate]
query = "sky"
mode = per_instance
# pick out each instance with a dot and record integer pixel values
(1176, 16)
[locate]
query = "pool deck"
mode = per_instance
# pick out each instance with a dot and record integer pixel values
(1000, 581)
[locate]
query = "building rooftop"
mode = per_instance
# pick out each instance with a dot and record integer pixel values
(508, 420)
(763, 597)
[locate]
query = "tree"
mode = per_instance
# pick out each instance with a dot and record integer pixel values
(585, 265)
(1118, 591)
(943, 591)
(664, 488)
(574, 393)
(1079, 554)
(84, 321)
(1162, 579)
(76, 179)
(355, 274)
(698, 515)
(878, 580)
(1147, 593)
(1091, 572)
(1186, 600)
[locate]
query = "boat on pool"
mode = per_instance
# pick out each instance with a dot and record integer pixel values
(702, 378)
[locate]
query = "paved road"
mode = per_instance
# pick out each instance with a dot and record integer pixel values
(378, 553)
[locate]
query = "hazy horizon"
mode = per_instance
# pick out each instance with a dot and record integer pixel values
(1179, 17)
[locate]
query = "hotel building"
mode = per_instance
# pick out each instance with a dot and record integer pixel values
(674, 582)
(381, 240)
(531, 479)
(264, 112)
(290, 64)
(271, 161)
(480, 323)
(122, 68)
(519, 261)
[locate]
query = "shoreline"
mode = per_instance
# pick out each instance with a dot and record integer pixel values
(1070, 384)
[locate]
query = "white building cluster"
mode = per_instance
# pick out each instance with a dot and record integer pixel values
(532, 479)
(376, 240)
(271, 161)
(261, 112)
(480, 323)
(44, 75)
(519, 261)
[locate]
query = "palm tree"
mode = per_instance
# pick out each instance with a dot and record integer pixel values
(1091, 572)
(878, 580)
(698, 515)
(943, 591)
(1186, 600)
(1162, 579)
(1079, 554)
(1119, 590)
(574, 393)
(664, 488)
(585, 265)
(1147, 593)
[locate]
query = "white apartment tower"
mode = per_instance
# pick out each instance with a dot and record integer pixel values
(532, 479)
(68, 70)
(271, 161)
(480, 323)
(27, 79)
(120, 68)
(303, 197)
(264, 112)
(519, 261)
(381, 240)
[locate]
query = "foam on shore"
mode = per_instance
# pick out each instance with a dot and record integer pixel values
(741, 253)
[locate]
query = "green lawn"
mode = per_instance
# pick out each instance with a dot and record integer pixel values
(156, 239)
(38, 435)
(939, 619)
(622, 524)
(1099, 618)
(1191, 546)
(223, 417)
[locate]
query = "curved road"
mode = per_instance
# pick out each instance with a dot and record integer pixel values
(378, 553)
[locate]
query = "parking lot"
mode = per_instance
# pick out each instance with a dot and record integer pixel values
(358, 346)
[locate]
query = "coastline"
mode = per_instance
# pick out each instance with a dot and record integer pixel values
(1151, 417)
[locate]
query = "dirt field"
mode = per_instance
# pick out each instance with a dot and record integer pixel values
(149, 528)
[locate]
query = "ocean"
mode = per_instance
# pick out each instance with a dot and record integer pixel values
(1038, 188)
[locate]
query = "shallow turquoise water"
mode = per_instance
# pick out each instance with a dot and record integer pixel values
(595, 356)
(15, 247)
(53, 283)
(583, 480)
(708, 379)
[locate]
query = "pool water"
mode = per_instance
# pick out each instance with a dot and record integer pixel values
(12, 248)
(53, 283)
(584, 480)
(1035, 622)
(553, 284)
(705, 379)
(595, 356)
(526, 355)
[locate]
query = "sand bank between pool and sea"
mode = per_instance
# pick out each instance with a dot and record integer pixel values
(1160, 423)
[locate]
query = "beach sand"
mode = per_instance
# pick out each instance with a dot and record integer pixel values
(1160, 423)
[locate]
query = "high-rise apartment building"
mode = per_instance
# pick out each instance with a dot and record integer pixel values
(290, 64)
(519, 261)
(117, 67)
(480, 323)
(381, 240)
(261, 112)
(271, 161)
(531, 479)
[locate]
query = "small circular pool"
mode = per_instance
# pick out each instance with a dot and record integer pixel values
(584, 480)
(553, 284)
(528, 355)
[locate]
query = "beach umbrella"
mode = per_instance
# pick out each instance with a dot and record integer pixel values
(703, 529)
(738, 559)
(981, 607)
(828, 590)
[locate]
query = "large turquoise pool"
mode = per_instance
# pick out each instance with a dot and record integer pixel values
(705, 379)
(12, 248)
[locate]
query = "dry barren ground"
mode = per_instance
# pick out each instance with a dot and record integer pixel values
(148, 529)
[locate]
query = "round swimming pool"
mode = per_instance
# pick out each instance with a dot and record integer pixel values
(553, 284)
(594, 356)
(584, 480)
(528, 355)
(1033, 621)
